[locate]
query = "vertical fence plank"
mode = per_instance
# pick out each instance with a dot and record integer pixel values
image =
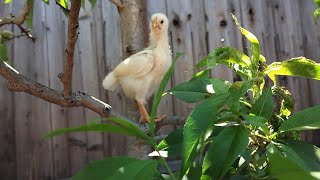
(99, 47)
(288, 43)
(7, 150)
(179, 13)
(113, 50)
(90, 81)
(222, 30)
(55, 56)
(25, 145)
(76, 116)
(311, 46)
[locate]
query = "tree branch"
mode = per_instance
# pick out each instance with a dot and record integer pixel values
(20, 19)
(20, 83)
(73, 24)
(117, 3)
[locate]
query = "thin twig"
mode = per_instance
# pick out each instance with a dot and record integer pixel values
(27, 7)
(73, 24)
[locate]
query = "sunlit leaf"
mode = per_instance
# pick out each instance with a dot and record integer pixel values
(302, 120)
(299, 66)
(264, 104)
(7, 1)
(158, 95)
(46, 1)
(118, 168)
(316, 14)
(255, 46)
(223, 151)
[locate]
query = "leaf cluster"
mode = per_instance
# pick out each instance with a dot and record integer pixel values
(235, 131)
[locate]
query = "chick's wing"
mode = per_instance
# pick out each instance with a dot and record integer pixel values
(137, 65)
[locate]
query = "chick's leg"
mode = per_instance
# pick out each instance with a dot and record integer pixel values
(145, 118)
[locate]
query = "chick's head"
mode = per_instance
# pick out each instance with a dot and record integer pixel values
(159, 23)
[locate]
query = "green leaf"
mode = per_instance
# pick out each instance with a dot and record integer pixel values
(7, 1)
(308, 154)
(264, 104)
(237, 90)
(201, 74)
(195, 172)
(287, 103)
(198, 127)
(29, 19)
(299, 66)
(46, 1)
(255, 47)
(199, 89)
(284, 164)
(158, 95)
(93, 3)
(172, 143)
(223, 151)
(303, 120)
(63, 4)
(316, 2)
(83, 4)
(316, 14)
(118, 168)
(3, 53)
(123, 127)
(224, 55)
(255, 120)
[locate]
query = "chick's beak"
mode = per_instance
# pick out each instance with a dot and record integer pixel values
(155, 24)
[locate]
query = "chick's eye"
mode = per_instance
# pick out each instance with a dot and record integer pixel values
(161, 21)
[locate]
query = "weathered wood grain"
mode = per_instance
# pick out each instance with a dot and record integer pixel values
(90, 81)
(113, 51)
(7, 136)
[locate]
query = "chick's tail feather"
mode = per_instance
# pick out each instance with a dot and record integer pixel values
(110, 82)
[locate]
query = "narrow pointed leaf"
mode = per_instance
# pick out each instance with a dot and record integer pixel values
(224, 150)
(302, 120)
(255, 120)
(7, 1)
(255, 46)
(299, 66)
(264, 105)
(93, 3)
(124, 128)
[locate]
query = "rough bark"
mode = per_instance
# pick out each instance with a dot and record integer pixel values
(20, 83)
(73, 24)
(134, 38)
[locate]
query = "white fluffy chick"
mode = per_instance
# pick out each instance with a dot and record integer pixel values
(140, 75)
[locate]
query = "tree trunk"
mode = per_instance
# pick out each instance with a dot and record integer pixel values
(134, 28)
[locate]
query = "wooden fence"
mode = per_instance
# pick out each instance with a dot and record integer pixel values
(285, 29)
